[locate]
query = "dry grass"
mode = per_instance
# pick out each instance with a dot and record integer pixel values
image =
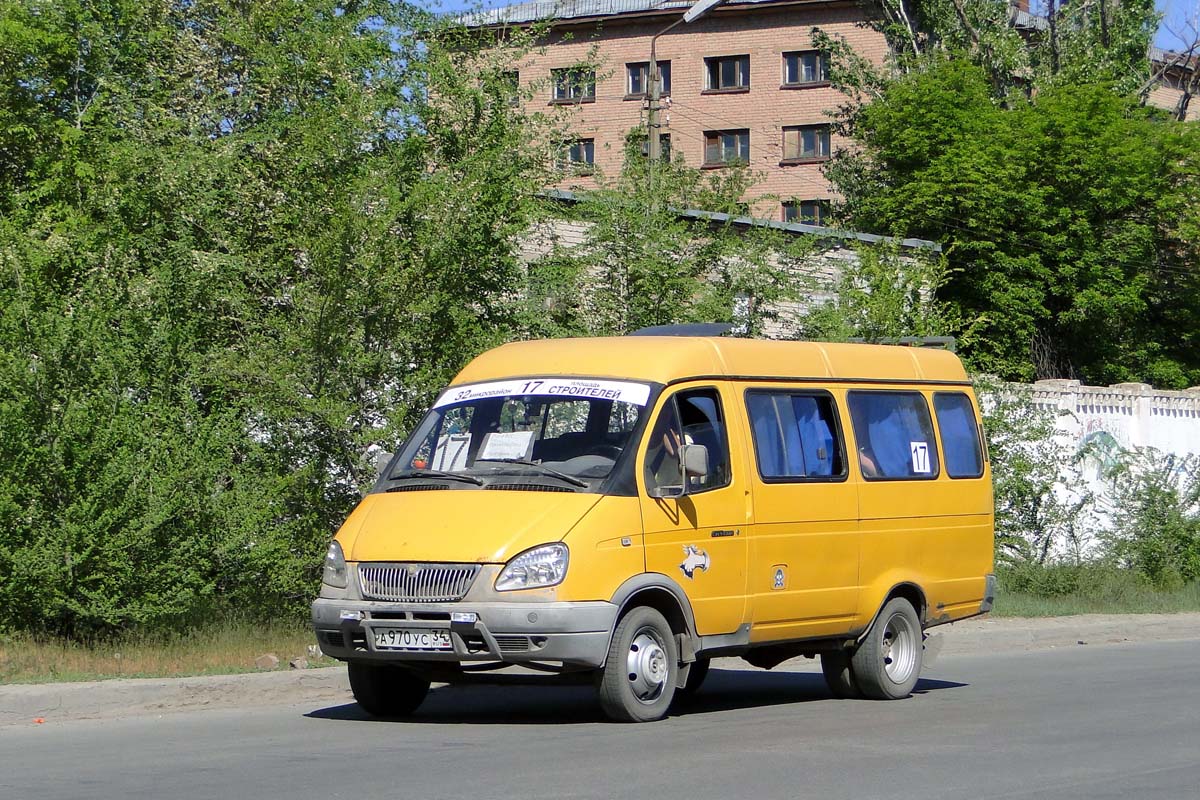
(224, 649)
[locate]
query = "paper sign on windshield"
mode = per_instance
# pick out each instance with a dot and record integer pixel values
(506, 445)
(566, 388)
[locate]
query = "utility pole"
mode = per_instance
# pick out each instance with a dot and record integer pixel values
(653, 124)
(654, 118)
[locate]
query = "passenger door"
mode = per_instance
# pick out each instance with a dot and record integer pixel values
(804, 549)
(901, 499)
(699, 539)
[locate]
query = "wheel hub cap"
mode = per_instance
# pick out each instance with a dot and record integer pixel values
(899, 649)
(647, 667)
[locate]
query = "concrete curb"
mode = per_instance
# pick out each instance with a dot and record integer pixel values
(57, 702)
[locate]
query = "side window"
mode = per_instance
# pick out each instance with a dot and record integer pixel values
(960, 435)
(894, 435)
(690, 417)
(795, 436)
(448, 444)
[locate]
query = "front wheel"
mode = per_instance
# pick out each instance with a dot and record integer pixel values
(387, 691)
(638, 680)
(888, 661)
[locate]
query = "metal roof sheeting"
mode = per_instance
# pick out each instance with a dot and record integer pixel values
(578, 9)
(568, 196)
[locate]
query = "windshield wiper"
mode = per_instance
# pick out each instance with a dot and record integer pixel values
(546, 470)
(434, 473)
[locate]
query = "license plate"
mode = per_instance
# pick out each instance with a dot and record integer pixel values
(412, 639)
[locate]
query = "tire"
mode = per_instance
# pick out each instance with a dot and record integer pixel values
(638, 680)
(696, 676)
(839, 675)
(887, 664)
(387, 691)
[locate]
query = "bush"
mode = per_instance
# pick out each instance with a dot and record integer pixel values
(1156, 529)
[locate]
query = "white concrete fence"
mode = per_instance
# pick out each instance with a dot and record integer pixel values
(1110, 421)
(1128, 415)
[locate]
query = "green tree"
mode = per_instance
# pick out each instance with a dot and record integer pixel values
(240, 243)
(1061, 216)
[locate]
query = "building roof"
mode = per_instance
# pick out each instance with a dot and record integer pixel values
(664, 359)
(568, 196)
(535, 10)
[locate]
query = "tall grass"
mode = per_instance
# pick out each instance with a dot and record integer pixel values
(1063, 590)
(218, 649)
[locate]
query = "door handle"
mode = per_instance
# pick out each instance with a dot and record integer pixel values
(722, 534)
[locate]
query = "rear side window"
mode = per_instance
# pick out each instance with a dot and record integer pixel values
(795, 436)
(960, 435)
(894, 435)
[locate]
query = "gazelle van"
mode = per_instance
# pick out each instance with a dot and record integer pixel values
(625, 509)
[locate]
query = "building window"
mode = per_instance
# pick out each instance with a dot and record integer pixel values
(510, 82)
(579, 157)
(664, 142)
(574, 85)
(637, 81)
(804, 68)
(808, 212)
(806, 143)
(726, 147)
(727, 74)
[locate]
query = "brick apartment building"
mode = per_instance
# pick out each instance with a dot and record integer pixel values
(743, 83)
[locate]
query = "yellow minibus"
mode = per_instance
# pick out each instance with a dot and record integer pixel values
(625, 509)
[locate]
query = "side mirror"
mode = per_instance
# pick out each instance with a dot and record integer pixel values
(667, 492)
(695, 461)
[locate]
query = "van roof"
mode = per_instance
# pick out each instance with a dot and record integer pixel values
(666, 359)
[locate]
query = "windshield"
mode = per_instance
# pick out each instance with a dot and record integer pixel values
(557, 432)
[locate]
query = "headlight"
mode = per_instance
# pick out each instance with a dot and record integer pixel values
(541, 566)
(335, 574)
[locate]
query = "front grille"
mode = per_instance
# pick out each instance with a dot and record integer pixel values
(416, 583)
(334, 638)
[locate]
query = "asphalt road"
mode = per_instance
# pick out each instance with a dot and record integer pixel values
(1105, 721)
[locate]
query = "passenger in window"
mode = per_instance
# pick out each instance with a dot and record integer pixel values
(866, 463)
(880, 452)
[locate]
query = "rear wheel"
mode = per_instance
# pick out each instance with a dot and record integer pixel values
(638, 680)
(887, 664)
(387, 691)
(839, 676)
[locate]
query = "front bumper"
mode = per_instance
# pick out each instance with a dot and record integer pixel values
(574, 634)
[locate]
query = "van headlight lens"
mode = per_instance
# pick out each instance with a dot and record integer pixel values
(542, 566)
(336, 573)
